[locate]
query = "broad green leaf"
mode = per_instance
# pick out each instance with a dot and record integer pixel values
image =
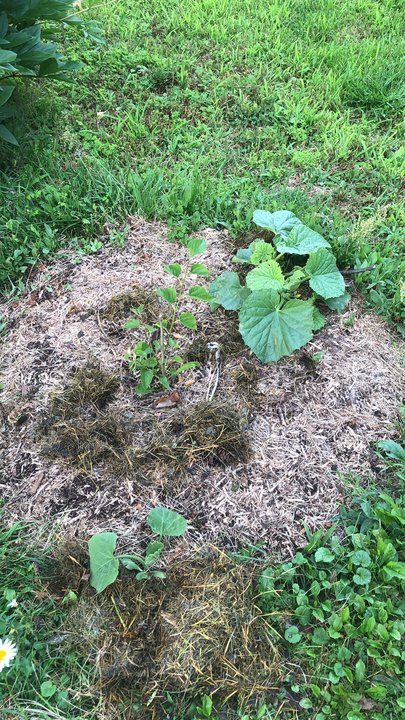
(262, 251)
(273, 330)
(339, 303)
(295, 279)
(360, 670)
(244, 254)
(319, 320)
(5, 93)
(196, 246)
(301, 241)
(361, 557)
(152, 553)
(147, 377)
(188, 320)
(393, 449)
(228, 292)
(166, 523)
(8, 136)
(7, 56)
(292, 635)
(132, 324)
(267, 276)
(325, 278)
(280, 222)
(169, 294)
(199, 269)
(174, 269)
(200, 293)
(395, 569)
(362, 576)
(324, 555)
(143, 575)
(103, 565)
(48, 689)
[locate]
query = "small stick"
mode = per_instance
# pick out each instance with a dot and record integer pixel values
(358, 270)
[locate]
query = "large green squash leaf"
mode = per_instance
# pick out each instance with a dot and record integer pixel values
(166, 522)
(228, 292)
(272, 330)
(103, 565)
(280, 222)
(262, 251)
(267, 276)
(325, 278)
(339, 303)
(301, 241)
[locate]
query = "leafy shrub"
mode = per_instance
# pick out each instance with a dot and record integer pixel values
(273, 320)
(25, 51)
(339, 606)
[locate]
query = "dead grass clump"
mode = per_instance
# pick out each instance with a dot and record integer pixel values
(66, 568)
(119, 306)
(86, 442)
(89, 387)
(212, 431)
(225, 332)
(198, 632)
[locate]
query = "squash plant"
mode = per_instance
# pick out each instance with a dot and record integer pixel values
(274, 320)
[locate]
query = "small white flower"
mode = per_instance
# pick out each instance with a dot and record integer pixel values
(12, 604)
(8, 651)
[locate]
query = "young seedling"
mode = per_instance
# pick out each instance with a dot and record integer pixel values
(155, 359)
(104, 564)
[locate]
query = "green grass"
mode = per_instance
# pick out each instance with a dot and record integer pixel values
(199, 111)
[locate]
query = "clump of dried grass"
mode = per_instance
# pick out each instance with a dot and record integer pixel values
(198, 632)
(212, 431)
(89, 386)
(86, 442)
(119, 306)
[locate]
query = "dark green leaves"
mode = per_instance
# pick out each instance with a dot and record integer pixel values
(174, 269)
(227, 291)
(325, 278)
(166, 522)
(273, 330)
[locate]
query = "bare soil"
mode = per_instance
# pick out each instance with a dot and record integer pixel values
(272, 451)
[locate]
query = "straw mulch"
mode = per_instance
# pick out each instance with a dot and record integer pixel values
(265, 457)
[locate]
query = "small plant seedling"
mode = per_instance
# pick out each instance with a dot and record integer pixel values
(104, 564)
(274, 320)
(155, 359)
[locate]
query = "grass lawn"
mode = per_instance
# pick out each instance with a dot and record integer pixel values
(199, 111)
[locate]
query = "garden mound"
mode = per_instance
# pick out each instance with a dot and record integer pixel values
(270, 453)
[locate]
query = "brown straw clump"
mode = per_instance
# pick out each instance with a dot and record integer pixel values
(197, 632)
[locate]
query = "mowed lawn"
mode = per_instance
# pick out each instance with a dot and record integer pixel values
(199, 111)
